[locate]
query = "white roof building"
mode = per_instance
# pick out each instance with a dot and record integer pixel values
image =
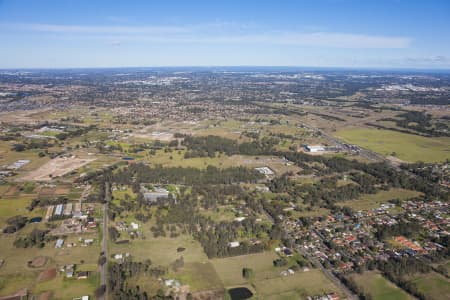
(314, 148)
(233, 244)
(265, 170)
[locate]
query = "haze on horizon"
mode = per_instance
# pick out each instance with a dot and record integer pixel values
(325, 33)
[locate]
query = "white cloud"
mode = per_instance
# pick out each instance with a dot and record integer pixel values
(428, 59)
(221, 33)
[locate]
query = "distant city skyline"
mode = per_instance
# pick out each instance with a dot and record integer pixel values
(324, 33)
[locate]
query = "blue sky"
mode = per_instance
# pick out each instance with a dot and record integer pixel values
(322, 33)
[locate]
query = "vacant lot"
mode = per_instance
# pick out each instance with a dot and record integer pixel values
(176, 159)
(433, 285)
(407, 147)
(371, 201)
(301, 285)
(230, 268)
(56, 167)
(14, 282)
(64, 288)
(199, 276)
(162, 251)
(267, 281)
(379, 287)
(8, 156)
(13, 206)
(224, 213)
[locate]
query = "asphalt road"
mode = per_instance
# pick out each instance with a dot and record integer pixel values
(104, 270)
(328, 274)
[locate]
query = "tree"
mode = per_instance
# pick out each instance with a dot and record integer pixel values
(114, 233)
(19, 147)
(101, 260)
(247, 273)
(100, 291)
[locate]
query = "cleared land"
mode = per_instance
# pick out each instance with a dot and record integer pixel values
(433, 285)
(56, 167)
(162, 251)
(267, 281)
(379, 287)
(14, 206)
(230, 268)
(407, 147)
(313, 282)
(371, 201)
(199, 276)
(176, 159)
(64, 288)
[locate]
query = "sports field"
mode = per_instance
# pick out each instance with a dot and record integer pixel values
(407, 147)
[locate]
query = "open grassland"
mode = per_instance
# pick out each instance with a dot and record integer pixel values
(267, 281)
(69, 288)
(310, 212)
(161, 250)
(371, 201)
(11, 283)
(14, 206)
(3, 188)
(407, 147)
(379, 288)
(199, 276)
(301, 284)
(433, 285)
(220, 214)
(9, 156)
(197, 272)
(176, 159)
(230, 268)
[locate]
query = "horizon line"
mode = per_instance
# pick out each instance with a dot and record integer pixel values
(394, 68)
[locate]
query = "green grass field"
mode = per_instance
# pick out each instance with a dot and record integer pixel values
(371, 201)
(379, 287)
(407, 147)
(433, 285)
(7, 157)
(16, 206)
(12, 283)
(314, 212)
(69, 288)
(176, 159)
(301, 284)
(267, 281)
(198, 272)
(221, 214)
(230, 268)
(199, 276)
(162, 251)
